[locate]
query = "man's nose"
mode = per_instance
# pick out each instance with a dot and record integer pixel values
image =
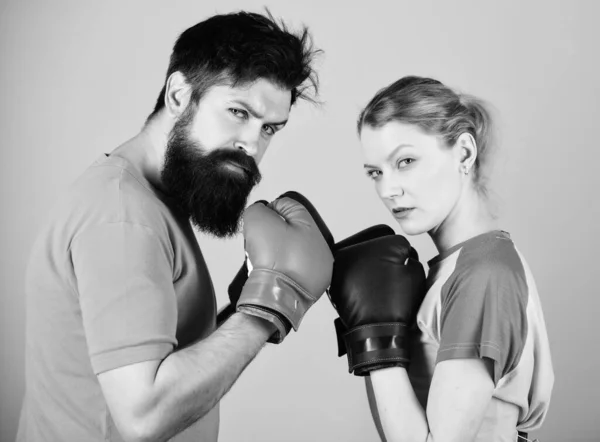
(249, 142)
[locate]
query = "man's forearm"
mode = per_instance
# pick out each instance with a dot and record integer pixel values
(191, 381)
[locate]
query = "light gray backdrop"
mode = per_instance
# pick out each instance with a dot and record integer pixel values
(79, 77)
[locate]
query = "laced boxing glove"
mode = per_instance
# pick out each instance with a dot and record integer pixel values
(377, 287)
(290, 260)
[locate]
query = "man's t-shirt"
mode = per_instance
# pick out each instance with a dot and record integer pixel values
(482, 301)
(115, 278)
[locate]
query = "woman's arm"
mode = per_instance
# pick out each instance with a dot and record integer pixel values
(373, 407)
(460, 392)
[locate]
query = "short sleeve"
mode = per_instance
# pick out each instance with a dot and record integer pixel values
(125, 285)
(484, 316)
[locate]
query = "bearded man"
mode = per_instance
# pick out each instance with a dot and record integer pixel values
(122, 339)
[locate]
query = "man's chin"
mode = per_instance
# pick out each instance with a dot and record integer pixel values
(217, 230)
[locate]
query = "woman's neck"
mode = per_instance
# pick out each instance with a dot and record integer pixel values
(469, 217)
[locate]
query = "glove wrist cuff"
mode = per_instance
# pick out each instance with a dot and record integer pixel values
(375, 346)
(268, 290)
(282, 327)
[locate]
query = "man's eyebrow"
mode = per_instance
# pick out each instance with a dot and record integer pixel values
(257, 114)
(391, 155)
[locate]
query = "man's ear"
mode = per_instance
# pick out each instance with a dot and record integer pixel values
(468, 150)
(177, 94)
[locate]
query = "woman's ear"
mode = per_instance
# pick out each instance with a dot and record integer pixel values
(467, 148)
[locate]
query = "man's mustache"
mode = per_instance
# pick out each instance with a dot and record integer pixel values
(237, 157)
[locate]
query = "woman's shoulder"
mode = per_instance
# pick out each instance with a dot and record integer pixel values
(491, 253)
(490, 260)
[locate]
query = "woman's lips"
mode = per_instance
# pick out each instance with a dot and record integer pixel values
(402, 212)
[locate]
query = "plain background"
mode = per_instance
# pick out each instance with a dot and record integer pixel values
(77, 78)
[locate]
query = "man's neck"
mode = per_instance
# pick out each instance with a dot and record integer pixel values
(146, 150)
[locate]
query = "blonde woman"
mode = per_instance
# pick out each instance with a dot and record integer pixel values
(464, 354)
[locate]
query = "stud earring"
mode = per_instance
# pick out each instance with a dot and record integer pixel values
(465, 170)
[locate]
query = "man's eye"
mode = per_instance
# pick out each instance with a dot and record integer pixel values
(269, 130)
(373, 174)
(405, 162)
(238, 113)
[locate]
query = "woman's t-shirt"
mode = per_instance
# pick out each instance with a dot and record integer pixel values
(481, 302)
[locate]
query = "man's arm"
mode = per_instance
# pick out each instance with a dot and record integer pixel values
(154, 400)
(460, 391)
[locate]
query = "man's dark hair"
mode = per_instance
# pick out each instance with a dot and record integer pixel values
(240, 48)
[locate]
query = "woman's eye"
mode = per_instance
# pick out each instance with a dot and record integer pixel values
(373, 174)
(269, 130)
(239, 113)
(405, 162)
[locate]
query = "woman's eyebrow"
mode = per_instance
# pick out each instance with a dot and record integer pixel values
(392, 154)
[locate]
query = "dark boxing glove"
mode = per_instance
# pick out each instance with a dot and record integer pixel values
(364, 235)
(372, 232)
(377, 287)
(235, 287)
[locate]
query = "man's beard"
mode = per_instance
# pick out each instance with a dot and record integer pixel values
(200, 183)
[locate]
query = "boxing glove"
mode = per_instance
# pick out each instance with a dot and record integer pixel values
(372, 232)
(377, 287)
(290, 260)
(235, 287)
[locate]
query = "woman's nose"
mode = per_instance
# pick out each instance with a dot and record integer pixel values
(390, 187)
